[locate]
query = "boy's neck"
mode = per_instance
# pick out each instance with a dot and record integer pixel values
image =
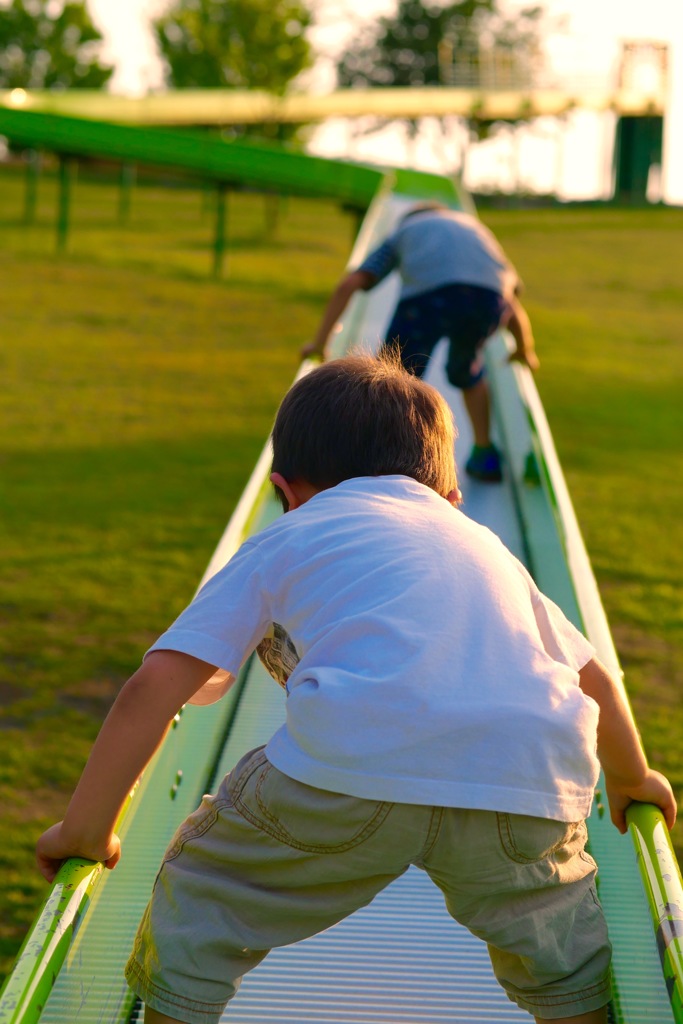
(299, 491)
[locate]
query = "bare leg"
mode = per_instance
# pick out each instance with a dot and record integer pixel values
(477, 403)
(594, 1017)
(154, 1017)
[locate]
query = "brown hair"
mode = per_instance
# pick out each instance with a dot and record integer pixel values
(429, 206)
(364, 416)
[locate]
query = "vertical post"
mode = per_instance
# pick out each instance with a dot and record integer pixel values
(560, 129)
(515, 163)
(272, 213)
(357, 217)
(125, 190)
(31, 194)
(465, 147)
(638, 145)
(219, 237)
(207, 195)
(63, 201)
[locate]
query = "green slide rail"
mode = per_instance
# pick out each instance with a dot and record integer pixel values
(256, 165)
(203, 155)
(70, 966)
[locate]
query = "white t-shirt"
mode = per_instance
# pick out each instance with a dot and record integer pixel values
(431, 670)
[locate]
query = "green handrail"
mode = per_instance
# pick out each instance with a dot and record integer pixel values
(47, 943)
(664, 891)
(40, 958)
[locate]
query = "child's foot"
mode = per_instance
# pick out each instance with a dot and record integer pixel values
(484, 464)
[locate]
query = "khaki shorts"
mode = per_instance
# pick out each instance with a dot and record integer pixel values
(268, 861)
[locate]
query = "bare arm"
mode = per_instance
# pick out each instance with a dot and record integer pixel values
(519, 327)
(627, 775)
(131, 733)
(358, 280)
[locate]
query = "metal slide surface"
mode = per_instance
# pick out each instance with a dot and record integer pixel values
(402, 959)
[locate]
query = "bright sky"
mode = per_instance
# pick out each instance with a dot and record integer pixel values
(572, 158)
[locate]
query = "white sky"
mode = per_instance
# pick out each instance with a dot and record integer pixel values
(572, 158)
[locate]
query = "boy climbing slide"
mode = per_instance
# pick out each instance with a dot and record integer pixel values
(441, 712)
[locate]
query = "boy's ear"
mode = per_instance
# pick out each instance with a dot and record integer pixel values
(278, 481)
(297, 492)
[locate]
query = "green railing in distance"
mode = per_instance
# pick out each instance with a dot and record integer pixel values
(256, 164)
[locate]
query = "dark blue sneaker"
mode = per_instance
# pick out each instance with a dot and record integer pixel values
(484, 464)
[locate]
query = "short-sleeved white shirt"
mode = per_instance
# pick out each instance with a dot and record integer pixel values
(431, 669)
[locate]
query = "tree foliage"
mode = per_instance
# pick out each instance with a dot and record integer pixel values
(427, 43)
(238, 44)
(45, 45)
(424, 42)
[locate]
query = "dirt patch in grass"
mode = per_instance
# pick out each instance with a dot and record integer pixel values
(9, 692)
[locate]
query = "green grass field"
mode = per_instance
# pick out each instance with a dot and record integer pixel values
(137, 393)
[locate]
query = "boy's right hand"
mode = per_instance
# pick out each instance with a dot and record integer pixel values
(655, 789)
(53, 848)
(527, 357)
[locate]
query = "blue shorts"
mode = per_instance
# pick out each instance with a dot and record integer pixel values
(465, 314)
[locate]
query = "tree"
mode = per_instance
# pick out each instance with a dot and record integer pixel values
(238, 44)
(430, 44)
(47, 46)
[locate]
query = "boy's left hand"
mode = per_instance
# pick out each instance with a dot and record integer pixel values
(52, 849)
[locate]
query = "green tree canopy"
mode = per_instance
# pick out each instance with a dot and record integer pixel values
(44, 48)
(431, 43)
(425, 43)
(403, 49)
(238, 44)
